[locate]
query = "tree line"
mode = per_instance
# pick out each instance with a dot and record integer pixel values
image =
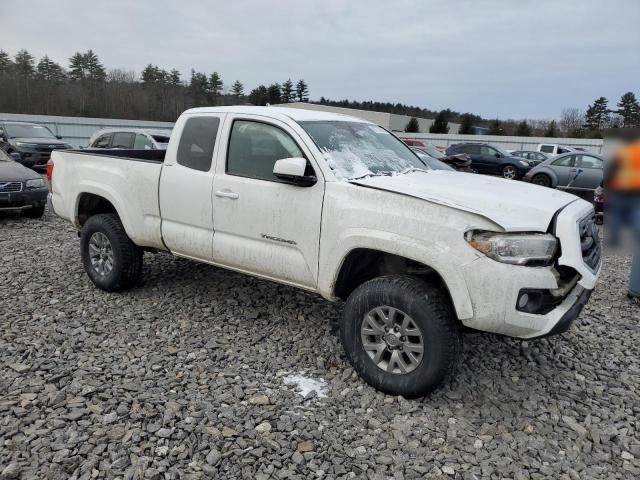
(86, 88)
(573, 122)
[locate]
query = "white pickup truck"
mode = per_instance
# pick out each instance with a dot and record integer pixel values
(339, 206)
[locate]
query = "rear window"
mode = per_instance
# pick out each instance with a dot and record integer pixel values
(197, 142)
(123, 140)
(546, 148)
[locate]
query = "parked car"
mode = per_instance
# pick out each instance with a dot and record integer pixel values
(459, 161)
(21, 189)
(554, 148)
(577, 172)
(431, 162)
(531, 156)
(338, 206)
(130, 139)
(34, 143)
(491, 160)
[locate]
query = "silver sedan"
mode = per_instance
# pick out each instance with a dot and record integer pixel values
(575, 172)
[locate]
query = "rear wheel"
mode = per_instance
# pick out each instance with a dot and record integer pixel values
(35, 212)
(541, 179)
(112, 261)
(400, 335)
(510, 172)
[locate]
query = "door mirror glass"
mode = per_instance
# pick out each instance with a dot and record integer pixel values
(497, 155)
(292, 170)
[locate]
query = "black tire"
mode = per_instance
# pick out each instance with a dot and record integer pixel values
(510, 172)
(35, 212)
(431, 311)
(541, 179)
(127, 256)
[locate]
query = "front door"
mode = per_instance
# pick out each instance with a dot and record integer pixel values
(186, 184)
(591, 175)
(564, 168)
(491, 159)
(263, 225)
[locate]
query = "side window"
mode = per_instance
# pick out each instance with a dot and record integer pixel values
(587, 161)
(487, 151)
(123, 140)
(546, 148)
(540, 157)
(568, 161)
(255, 147)
(195, 149)
(102, 142)
(142, 142)
(471, 149)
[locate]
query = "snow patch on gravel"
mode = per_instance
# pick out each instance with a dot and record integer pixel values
(306, 385)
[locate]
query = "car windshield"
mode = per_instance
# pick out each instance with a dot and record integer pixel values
(355, 149)
(4, 157)
(25, 130)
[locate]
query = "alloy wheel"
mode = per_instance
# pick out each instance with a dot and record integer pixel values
(101, 253)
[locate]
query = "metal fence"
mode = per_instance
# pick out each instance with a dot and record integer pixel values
(78, 130)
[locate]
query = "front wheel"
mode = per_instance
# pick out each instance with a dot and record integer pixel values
(110, 259)
(400, 335)
(509, 172)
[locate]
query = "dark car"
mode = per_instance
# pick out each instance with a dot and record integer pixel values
(580, 173)
(460, 161)
(491, 160)
(31, 141)
(21, 189)
(535, 157)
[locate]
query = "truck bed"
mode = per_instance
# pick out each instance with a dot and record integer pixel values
(127, 178)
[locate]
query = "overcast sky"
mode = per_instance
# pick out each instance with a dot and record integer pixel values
(505, 58)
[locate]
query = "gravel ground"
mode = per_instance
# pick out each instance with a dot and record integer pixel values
(193, 375)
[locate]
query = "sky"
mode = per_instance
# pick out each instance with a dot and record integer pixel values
(495, 58)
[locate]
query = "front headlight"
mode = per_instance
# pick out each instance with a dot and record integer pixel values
(35, 183)
(26, 145)
(533, 249)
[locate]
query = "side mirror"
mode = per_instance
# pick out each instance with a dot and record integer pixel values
(497, 155)
(291, 170)
(59, 137)
(15, 156)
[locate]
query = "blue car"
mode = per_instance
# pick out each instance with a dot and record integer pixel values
(493, 161)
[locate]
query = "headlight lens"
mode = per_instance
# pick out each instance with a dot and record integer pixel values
(534, 249)
(35, 183)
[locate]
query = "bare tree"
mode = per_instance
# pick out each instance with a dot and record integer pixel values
(571, 122)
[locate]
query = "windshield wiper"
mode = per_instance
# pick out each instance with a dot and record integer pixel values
(371, 174)
(414, 169)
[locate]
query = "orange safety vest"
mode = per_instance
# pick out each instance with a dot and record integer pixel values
(626, 174)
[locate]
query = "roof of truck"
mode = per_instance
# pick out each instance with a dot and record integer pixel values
(297, 114)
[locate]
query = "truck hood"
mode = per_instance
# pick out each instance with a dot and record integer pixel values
(514, 205)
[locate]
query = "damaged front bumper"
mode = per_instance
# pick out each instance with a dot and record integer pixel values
(497, 289)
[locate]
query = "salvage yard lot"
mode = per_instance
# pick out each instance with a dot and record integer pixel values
(171, 379)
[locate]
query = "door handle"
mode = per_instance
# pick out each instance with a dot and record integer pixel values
(227, 194)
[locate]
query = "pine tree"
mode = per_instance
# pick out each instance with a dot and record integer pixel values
(198, 87)
(495, 127)
(597, 115)
(49, 70)
(5, 63)
(440, 124)
(287, 92)
(302, 91)
(259, 96)
(237, 89)
(523, 129)
(174, 77)
(629, 110)
(77, 68)
(150, 75)
(95, 70)
(273, 93)
(24, 64)
(215, 86)
(412, 126)
(552, 129)
(466, 124)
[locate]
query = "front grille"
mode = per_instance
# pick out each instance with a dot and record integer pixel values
(48, 148)
(590, 242)
(6, 187)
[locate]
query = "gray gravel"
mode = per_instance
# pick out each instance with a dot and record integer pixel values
(188, 376)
